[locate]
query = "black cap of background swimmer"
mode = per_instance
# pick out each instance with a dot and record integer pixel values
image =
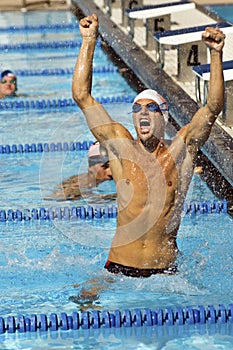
(8, 73)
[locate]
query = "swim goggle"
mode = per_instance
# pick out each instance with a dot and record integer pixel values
(151, 107)
(13, 81)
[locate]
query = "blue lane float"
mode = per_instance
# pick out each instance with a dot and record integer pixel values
(45, 147)
(68, 44)
(40, 28)
(66, 213)
(118, 319)
(61, 71)
(91, 213)
(36, 104)
(57, 104)
(205, 207)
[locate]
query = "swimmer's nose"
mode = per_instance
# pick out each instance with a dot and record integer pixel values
(108, 174)
(144, 110)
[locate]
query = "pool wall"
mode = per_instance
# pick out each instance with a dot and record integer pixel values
(182, 107)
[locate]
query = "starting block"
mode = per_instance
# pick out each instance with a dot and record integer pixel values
(191, 51)
(156, 18)
(202, 72)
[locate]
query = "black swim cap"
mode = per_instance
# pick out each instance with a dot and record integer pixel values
(7, 72)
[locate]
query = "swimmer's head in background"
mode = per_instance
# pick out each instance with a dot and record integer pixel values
(10, 74)
(97, 154)
(7, 73)
(157, 98)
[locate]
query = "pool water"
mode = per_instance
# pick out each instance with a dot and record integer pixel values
(60, 86)
(38, 273)
(225, 11)
(41, 261)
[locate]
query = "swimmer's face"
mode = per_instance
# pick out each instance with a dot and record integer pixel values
(7, 85)
(148, 119)
(100, 172)
(104, 174)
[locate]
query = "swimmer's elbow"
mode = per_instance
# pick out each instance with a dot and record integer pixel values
(79, 94)
(83, 98)
(215, 109)
(78, 97)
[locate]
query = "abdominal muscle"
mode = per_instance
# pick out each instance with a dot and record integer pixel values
(149, 251)
(141, 238)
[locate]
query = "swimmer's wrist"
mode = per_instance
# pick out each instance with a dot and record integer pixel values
(90, 38)
(218, 54)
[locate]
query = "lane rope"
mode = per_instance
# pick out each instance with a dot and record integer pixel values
(57, 103)
(61, 71)
(97, 212)
(118, 319)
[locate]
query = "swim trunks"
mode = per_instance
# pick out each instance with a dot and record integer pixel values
(136, 272)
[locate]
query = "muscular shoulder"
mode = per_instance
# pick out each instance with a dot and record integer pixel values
(179, 147)
(180, 137)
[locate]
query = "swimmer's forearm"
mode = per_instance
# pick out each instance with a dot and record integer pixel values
(82, 77)
(200, 127)
(215, 99)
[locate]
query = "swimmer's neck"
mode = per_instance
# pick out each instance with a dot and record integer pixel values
(151, 144)
(8, 96)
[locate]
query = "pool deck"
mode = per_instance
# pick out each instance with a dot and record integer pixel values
(14, 5)
(180, 96)
(19, 5)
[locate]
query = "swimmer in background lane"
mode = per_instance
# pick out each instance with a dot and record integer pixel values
(79, 185)
(152, 178)
(9, 88)
(8, 84)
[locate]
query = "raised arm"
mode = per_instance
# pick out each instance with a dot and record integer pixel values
(82, 78)
(100, 123)
(198, 130)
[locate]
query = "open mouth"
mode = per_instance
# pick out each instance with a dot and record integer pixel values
(144, 125)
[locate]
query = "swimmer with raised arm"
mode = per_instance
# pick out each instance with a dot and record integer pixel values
(152, 178)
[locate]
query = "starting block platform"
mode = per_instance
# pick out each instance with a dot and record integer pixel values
(202, 73)
(191, 51)
(155, 18)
